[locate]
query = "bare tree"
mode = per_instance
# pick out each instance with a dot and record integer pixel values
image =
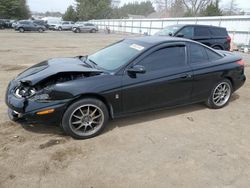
(163, 4)
(194, 6)
(177, 9)
(233, 8)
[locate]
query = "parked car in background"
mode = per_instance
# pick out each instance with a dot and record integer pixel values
(2, 24)
(14, 24)
(65, 25)
(6, 23)
(131, 76)
(27, 25)
(52, 24)
(212, 36)
(41, 22)
(84, 27)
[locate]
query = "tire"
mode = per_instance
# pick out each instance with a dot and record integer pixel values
(40, 30)
(217, 48)
(78, 31)
(220, 94)
(59, 29)
(85, 118)
(92, 31)
(21, 30)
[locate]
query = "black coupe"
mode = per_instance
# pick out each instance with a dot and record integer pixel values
(133, 75)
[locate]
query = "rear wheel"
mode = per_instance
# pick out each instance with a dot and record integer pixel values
(92, 31)
(217, 48)
(21, 30)
(59, 28)
(77, 30)
(220, 94)
(85, 118)
(40, 30)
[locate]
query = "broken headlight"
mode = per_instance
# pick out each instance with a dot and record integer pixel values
(24, 92)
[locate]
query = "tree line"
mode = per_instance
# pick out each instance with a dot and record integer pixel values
(14, 9)
(102, 9)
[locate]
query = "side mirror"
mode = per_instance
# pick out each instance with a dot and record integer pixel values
(170, 34)
(179, 35)
(137, 69)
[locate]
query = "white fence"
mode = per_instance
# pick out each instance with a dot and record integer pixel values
(237, 26)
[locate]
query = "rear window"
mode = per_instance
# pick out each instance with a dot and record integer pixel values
(218, 31)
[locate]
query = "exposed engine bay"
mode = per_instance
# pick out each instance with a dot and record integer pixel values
(25, 90)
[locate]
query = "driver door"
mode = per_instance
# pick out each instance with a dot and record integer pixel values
(166, 82)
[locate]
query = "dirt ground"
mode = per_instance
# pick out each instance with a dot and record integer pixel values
(190, 146)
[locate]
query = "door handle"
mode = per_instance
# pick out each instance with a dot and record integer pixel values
(186, 76)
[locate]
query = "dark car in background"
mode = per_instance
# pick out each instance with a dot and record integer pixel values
(6, 23)
(79, 27)
(2, 24)
(27, 25)
(212, 36)
(131, 76)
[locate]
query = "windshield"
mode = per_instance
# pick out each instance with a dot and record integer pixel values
(169, 30)
(116, 55)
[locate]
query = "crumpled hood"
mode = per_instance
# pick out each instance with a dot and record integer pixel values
(45, 69)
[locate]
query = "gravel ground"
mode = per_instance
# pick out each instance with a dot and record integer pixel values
(191, 146)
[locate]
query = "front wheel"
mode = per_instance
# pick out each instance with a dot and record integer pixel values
(220, 94)
(85, 118)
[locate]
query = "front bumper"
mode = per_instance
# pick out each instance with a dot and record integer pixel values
(27, 109)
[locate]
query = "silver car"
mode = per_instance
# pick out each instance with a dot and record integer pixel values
(65, 25)
(84, 27)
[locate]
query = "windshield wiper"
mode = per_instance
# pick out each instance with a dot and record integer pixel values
(93, 62)
(84, 60)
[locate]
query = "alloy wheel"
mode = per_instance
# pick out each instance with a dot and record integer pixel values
(86, 120)
(221, 94)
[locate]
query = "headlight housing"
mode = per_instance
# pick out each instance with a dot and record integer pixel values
(24, 92)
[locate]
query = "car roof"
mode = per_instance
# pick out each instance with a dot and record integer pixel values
(182, 25)
(155, 40)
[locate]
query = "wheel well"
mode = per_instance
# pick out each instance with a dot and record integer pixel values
(231, 80)
(98, 97)
(218, 45)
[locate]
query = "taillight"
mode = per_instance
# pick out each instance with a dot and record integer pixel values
(228, 39)
(241, 62)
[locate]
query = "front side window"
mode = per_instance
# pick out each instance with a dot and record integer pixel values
(169, 30)
(197, 54)
(187, 32)
(165, 58)
(116, 55)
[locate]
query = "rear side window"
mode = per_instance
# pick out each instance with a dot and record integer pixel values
(89, 24)
(197, 54)
(165, 58)
(24, 22)
(218, 31)
(201, 31)
(212, 55)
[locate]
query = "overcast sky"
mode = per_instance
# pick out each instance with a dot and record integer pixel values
(61, 5)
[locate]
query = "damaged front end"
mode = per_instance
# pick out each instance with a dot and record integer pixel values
(41, 93)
